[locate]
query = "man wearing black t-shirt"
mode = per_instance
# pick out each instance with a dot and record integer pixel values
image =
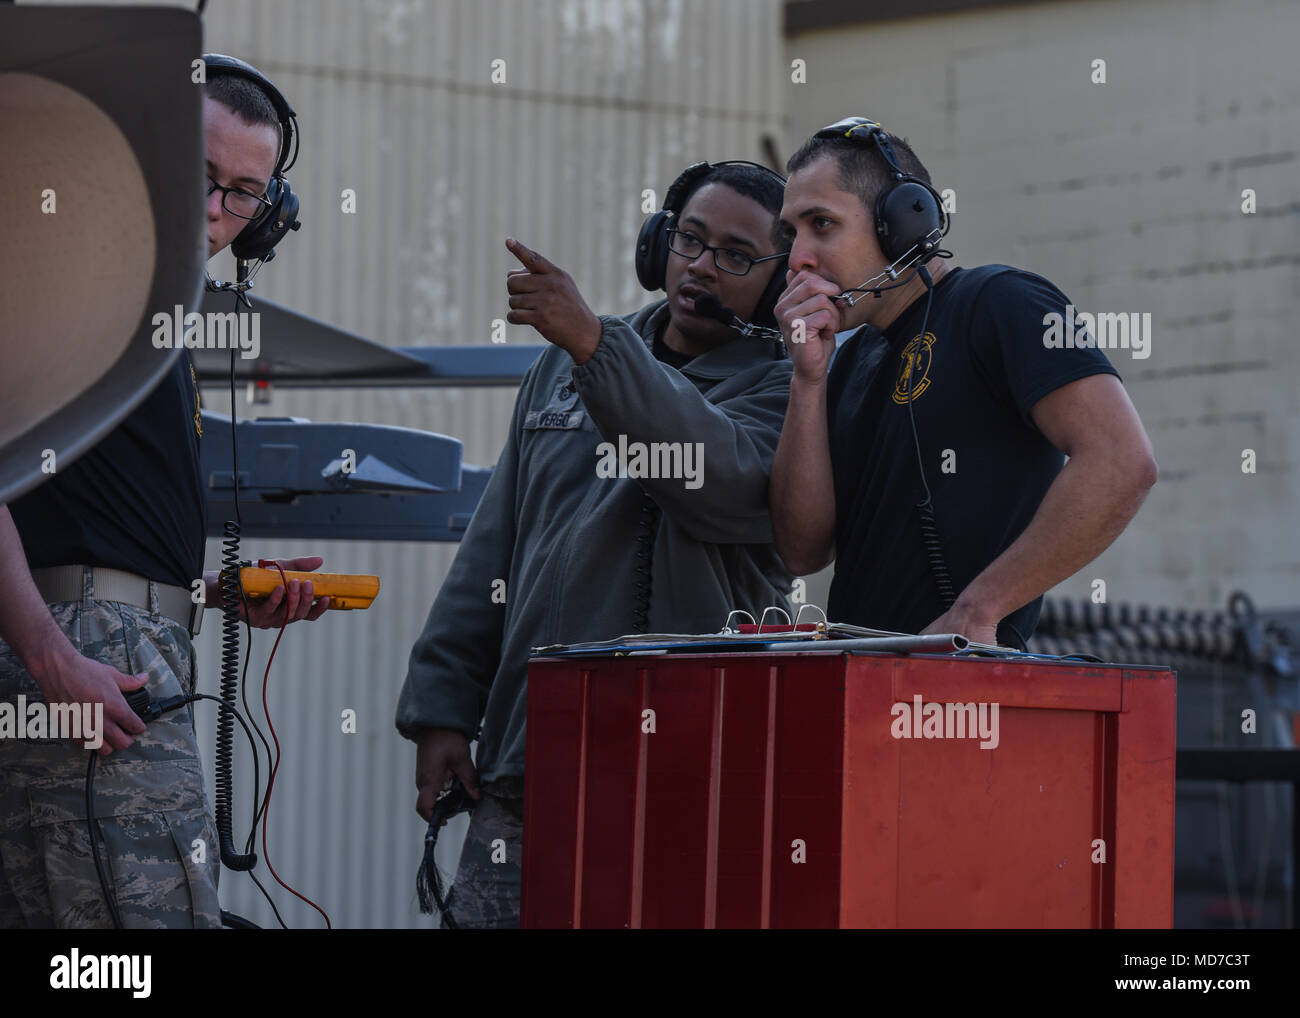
(97, 566)
(995, 409)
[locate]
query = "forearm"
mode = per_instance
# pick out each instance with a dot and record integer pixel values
(25, 620)
(456, 656)
(803, 486)
(444, 689)
(1089, 504)
(728, 446)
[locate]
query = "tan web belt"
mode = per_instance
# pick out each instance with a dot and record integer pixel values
(65, 583)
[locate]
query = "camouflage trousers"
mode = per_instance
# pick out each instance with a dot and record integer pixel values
(157, 837)
(485, 894)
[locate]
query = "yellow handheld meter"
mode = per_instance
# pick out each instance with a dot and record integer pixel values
(345, 590)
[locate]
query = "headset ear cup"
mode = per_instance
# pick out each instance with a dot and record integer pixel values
(906, 214)
(652, 251)
(652, 242)
(765, 310)
(259, 237)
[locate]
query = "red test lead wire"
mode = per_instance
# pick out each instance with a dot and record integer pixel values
(266, 812)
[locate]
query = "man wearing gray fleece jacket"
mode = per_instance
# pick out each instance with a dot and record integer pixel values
(580, 535)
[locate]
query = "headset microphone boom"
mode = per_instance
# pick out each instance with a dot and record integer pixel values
(711, 307)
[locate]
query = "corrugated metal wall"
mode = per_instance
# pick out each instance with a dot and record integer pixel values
(602, 99)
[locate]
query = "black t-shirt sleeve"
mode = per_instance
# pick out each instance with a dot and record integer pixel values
(1007, 348)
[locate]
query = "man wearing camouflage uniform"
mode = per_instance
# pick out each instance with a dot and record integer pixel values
(96, 568)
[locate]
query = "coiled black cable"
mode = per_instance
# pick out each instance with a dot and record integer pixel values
(230, 588)
(232, 592)
(934, 551)
(925, 508)
(645, 542)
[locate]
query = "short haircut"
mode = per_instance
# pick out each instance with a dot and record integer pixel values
(759, 185)
(244, 99)
(862, 168)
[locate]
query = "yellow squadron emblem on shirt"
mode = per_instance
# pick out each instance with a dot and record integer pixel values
(917, 357)
(198, 408)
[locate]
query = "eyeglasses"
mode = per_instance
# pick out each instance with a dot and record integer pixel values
(242, 204)
(727, 259)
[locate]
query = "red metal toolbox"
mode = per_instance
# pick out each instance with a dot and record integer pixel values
(826, 789)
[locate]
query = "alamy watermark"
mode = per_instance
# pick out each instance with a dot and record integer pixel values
(1106, 330)
(75, 971)
(40, 720)
(920, 720)
(678, 460)
(215, 330)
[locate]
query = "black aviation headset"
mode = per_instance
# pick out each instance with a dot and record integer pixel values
(910, 217)
(274, 222)
(652, 242)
